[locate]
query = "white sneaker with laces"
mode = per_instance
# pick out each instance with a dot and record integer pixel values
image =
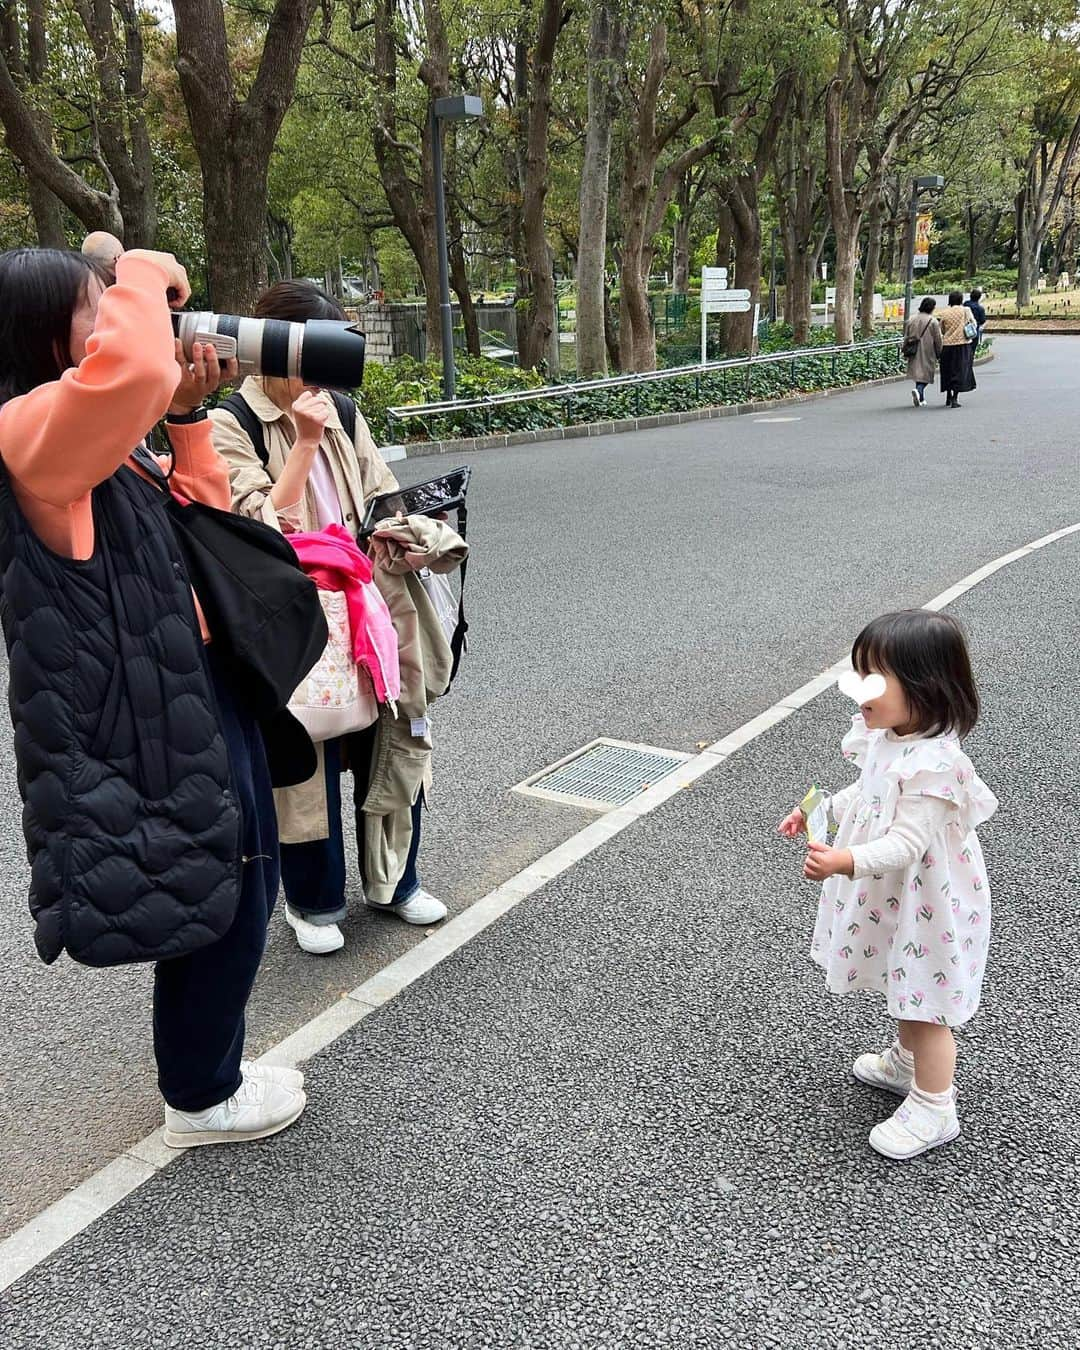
(886, 1070)
(421, 908)
(915, 1127)
(273, 1073)
(319, 939)
(257, 1109)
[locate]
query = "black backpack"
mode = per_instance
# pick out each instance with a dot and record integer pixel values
(252, 425)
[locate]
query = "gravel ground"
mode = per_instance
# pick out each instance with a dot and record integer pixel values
(623, 1116)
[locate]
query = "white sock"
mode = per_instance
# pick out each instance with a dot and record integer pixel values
(904, 1057)
(941, 1100)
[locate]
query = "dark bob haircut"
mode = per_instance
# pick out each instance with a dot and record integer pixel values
(297, 301)
(928, 654)
(956, 297)
(929, 304)
(40, 290)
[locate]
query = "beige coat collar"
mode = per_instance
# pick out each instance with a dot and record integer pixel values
(266, 410)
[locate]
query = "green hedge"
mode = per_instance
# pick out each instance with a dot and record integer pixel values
(680, 394)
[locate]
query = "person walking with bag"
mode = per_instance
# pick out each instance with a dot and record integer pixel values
(304, 460)
(922, 347)
(978, 312)
(958, 333)
(148, 811)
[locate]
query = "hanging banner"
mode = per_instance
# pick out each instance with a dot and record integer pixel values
(923, 225)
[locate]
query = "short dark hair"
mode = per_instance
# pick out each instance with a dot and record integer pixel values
(976, 294)
(40, 289)
(929, 304)
(956, 297)
(928, 654)
(297, 301)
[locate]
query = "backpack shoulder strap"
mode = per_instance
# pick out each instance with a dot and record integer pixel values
(250, 424)
(346, 411)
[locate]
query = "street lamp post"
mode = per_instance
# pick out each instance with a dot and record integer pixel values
(931, 182)
(457, 108)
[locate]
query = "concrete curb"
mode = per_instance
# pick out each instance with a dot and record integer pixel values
(470, 444)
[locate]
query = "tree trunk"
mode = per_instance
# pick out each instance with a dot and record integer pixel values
(539, 316)
(611, 332)
(234, 139)
(798, 292)
(608, 34)
(644, 201)
(847, 255)
(725, 233)
(870, 267)
(680, 253)
(459, 283)
(410, 200)
(48, 212)
(844, 208)
(1026, 262)
(739, 332)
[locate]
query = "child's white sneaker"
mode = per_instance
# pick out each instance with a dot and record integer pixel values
(915, 1127)
(892, 1070)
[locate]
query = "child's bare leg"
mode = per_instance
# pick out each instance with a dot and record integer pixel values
(934, 1048)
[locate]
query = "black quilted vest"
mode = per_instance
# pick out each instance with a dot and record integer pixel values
(132, 828)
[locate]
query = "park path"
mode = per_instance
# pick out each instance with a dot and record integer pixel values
(651, 588)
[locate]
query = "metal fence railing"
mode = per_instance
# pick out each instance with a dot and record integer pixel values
(738, 379)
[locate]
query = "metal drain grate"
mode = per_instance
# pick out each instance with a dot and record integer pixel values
(602, 775)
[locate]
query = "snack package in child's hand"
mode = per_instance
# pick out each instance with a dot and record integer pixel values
(817, 816)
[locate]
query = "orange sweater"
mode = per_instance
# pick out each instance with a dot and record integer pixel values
(64, 438)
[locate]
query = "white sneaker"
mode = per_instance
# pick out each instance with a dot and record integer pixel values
(273, 1073)
(421, 908)
(915, 398)
(257, 1109)
(886, 1070)
(317, 938)
(915, 1127)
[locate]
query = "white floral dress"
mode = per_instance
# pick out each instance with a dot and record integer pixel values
(914, 921)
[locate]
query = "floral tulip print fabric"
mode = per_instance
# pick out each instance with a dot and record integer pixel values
(919, 936)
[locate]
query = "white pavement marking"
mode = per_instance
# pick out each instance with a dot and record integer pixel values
(762, 421)
(28, 1246)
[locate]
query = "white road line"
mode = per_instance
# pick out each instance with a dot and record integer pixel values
(60, 1222)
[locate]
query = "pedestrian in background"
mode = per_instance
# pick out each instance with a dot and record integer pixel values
(976, 307)
(922, 347)
(905, 908)
(306, 472)
(958, 331)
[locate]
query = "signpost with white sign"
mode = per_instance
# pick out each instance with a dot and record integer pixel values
(717, 299)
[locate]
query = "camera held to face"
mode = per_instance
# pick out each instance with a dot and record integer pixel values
(327, 353)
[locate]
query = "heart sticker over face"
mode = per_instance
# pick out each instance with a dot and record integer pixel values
(861, 689)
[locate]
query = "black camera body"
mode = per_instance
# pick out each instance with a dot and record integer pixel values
(326, 353)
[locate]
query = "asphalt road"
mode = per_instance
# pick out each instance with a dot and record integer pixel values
(660, 587)
(624, 1115)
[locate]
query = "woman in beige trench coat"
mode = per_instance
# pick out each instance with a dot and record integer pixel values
(314, 475)
(926, 331)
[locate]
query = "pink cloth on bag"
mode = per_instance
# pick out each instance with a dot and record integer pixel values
(333, 560)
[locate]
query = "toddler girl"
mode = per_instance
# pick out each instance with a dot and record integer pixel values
(905, 908)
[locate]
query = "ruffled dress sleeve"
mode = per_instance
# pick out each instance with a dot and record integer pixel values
(857, 741)
(940, 769)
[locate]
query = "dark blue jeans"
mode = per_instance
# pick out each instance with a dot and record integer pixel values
(314, 873)
(199, 999)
